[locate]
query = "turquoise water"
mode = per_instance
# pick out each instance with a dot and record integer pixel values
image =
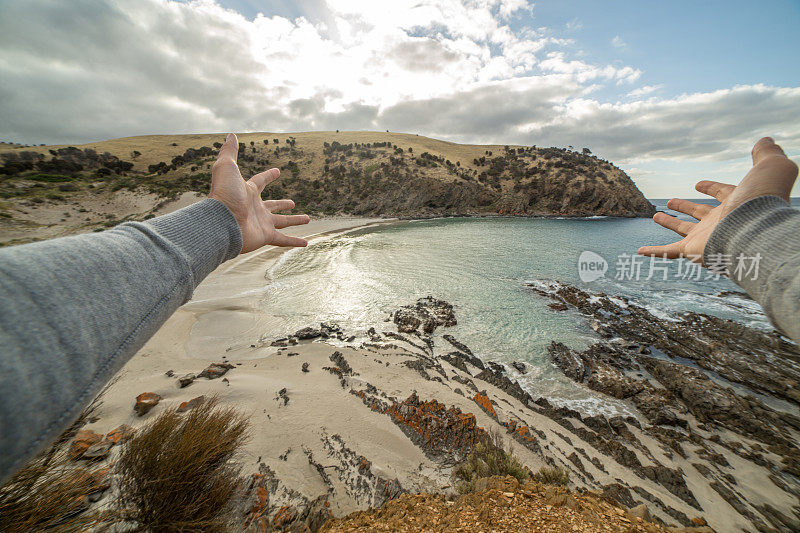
(482, 265)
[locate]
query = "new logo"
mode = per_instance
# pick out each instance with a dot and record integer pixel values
(591, 266)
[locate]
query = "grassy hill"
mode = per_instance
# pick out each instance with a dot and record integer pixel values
(358, 173)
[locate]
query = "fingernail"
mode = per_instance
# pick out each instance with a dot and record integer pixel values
(229, 137)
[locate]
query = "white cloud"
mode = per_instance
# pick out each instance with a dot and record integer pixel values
(715, 126)
(94, 69)
(644, 90)
(557, 62)
(617, 42)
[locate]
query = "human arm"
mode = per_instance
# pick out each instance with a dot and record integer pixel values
(753, 220)
(74, 310)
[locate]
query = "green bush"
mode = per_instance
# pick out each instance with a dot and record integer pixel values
(552, 475)
(489, 458)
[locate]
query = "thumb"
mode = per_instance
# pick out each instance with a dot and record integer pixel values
(229, 150)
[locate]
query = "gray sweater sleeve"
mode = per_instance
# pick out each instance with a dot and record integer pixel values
(766, 231)
(73, 310)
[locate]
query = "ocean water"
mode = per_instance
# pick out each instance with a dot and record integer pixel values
(483, 266)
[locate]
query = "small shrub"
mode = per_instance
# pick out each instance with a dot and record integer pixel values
(552, 475)
(176, 474)
(489, 458)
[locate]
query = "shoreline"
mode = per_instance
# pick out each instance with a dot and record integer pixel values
(321, 404)
(350, 424)
(226, 299)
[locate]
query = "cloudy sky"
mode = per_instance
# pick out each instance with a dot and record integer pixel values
(672, 91)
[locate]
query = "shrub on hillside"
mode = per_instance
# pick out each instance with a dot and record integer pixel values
(552, 475)
(488, 458)
(176, 474)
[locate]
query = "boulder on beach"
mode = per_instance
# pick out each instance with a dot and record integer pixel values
(145, 402)
(215, 370)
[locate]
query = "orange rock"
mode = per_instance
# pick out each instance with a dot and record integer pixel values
(485, 403)
(260, 507)
(120, 434)
(262, 497)
(191, 404)
(699, 521)
(215, 370)
(83, 439)
(146, 401)
(284, 516)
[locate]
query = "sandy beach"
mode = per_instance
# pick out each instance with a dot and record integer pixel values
(353, 424)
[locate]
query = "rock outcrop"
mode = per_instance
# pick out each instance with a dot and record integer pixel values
(710, 390)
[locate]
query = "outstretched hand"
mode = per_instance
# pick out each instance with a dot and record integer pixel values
(772, 174)
(256, 217)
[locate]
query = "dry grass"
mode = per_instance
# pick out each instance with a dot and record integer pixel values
(155, 148)
(50, 492)
(552, 475)
(490, 458)
(176, 474)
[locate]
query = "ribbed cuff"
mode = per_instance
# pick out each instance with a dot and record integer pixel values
(206, 233)
(751, 218)
(757, 228)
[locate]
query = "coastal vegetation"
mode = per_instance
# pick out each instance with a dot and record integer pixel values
(178, 472)
(326, 173)
(488, 458)
(552, 475)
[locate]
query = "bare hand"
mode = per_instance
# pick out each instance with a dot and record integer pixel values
(255, 216)
(772, 174)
